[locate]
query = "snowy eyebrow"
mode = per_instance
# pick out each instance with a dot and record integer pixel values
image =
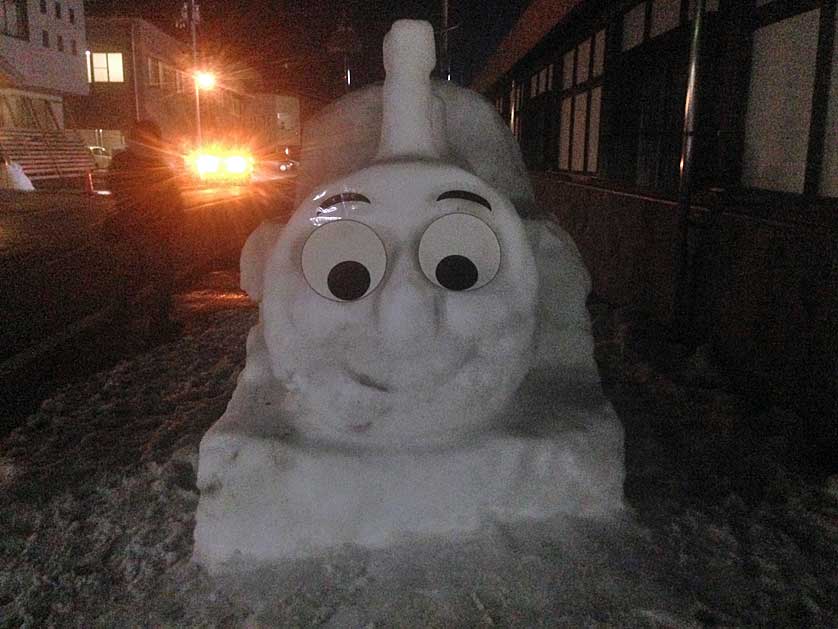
(466, 196)
(344, 197)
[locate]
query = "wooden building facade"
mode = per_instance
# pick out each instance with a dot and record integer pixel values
(596, 91)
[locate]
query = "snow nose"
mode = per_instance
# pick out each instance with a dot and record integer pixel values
(409, 308)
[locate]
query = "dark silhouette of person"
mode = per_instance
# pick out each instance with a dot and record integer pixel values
(148, 226)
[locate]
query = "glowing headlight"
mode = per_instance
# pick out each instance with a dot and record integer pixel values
(236, 164)
(207, 164)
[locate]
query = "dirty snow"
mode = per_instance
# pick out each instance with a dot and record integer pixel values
(98, 499)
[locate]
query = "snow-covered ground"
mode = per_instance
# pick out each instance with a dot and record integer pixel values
(98, 498)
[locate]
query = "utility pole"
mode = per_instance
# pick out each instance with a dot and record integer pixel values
(684, 278)
(446, 64)
(190, 15)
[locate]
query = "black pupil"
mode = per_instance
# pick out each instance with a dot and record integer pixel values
(456, 273)
(349, 280)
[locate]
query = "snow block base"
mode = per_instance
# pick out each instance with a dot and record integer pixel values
(265, 499)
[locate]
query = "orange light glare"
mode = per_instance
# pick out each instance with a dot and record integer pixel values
(207, 164)
(217, 163)
(205, 80)
(236, 164)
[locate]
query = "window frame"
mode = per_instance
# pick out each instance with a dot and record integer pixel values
(587, 86)
(774, 12)
(21, 19)
(92, 67)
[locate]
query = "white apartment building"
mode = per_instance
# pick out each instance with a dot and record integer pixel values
(42, 59)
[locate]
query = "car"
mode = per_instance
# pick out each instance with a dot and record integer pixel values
(287, 166)
(219, 165)
(101, 156)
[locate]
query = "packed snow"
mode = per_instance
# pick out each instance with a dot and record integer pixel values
(423, 364)
(98, 502)
(12, 177)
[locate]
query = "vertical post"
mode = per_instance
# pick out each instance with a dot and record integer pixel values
(193, 25)
(446, 64)
(682, 298)
(135, 78)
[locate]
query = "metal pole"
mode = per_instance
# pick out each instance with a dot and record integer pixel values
(682, 298)
(198, 113)
(446, 69)
(193, 23)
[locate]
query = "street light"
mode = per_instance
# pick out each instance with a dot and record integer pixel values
(203, 81)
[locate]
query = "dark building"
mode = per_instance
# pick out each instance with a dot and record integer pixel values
(596, 92)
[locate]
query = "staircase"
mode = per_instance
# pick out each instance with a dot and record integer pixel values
(47, 155)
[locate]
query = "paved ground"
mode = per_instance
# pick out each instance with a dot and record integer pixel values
(57, 270)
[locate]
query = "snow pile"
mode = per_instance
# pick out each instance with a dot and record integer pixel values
(12, 177)
(423, 362)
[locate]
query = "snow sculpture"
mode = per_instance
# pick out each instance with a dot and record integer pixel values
(12, 177)
(423, 362)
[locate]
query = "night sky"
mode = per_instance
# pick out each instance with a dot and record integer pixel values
(286, 40)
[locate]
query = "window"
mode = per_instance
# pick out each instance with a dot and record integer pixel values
(74, 48)
(777, 129)
(828, 184)
(154, 72)
(790, 142)
(43, 6)
(581, 101)
(634, 26)
(541, 81)
(45, 39)
(58, 10)
(43, 114)
(59, 43)
(71, 15)
(516, 92)
(13, 19)
(18, 109)
(168, 82)
(105, 67)
(644, 22)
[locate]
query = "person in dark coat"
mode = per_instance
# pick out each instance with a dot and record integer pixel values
(148, 225)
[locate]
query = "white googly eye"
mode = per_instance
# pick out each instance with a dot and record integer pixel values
(344, 260)
(459, 252)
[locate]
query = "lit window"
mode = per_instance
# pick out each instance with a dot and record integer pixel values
(115, 74)
(88, 64)
(106, 67)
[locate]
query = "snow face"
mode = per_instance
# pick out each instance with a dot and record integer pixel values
(415, 371)
(431, 333)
